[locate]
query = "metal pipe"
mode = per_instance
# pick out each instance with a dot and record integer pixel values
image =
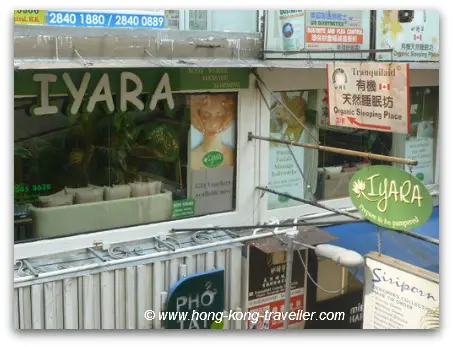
(313, 203)
(338, 150)
(149, 256)
(289, 272)
(263, 226)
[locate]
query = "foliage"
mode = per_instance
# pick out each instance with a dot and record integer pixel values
(432, 319)
(103, 149)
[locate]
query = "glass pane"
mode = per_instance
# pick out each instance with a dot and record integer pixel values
(96, 171)
(198, 20)
(291, 169)
(242, 21)
(173, 18)
(335, 170)
(421, 143)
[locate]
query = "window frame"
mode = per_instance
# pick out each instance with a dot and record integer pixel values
(184, 20)
(244, 212)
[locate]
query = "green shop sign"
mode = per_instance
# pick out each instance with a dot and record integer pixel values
(390, 197)
(87, 88)
(183, 208)
(196, 302)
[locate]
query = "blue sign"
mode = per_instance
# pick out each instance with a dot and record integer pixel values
(196, 302)
(106, 19)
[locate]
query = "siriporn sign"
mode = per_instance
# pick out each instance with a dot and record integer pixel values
(371, 96)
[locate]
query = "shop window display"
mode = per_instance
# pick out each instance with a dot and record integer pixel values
(324, 175)
(421, 143)
(97, 170)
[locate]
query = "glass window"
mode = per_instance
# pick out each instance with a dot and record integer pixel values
(292, 169)
(309, 173)
(421, 143)
(241, 21)
(335, 170)
(98, 170)
(198, 20)
(173, 19)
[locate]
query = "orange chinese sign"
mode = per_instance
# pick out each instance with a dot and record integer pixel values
(29, 17)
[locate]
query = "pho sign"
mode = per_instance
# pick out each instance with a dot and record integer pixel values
(198, 299)
(373, 96)
(390, 197)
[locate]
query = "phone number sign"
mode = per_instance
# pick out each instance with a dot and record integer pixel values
(108, 19)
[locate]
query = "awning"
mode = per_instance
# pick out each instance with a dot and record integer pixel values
(363, 238)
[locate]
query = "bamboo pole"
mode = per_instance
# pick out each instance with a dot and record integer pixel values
(338, 150)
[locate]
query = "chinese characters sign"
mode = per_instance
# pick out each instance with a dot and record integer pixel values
(29, 17)
(372, 96)
(339, 31)
(417, 40)
(267, 279)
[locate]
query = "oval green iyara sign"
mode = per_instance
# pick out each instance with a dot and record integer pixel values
(390, 197)
(213, 159)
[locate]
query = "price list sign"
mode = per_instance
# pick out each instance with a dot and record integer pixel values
(108, 19)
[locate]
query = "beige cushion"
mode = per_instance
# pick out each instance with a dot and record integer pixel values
(155, 187)
(117, 192)
(72, 191)
(139, 189)
(55, 200)
(87, 196)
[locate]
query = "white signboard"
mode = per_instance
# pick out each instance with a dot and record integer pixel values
(417, 40)
(398, 295)
(373, 96)
(421, 150)
(333, 30)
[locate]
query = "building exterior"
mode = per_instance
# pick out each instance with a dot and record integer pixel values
(123, 136)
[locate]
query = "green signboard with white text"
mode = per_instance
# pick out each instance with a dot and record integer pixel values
(30, 82)
(390, 197)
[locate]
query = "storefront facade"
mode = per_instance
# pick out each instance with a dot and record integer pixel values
(112, 157)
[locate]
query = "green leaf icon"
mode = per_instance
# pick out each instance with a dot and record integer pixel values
(213, 159)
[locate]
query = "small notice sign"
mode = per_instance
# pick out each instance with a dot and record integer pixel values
(183, 208)
(372, 96)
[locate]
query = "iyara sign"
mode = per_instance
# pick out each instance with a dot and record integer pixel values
(119, 90)
(390, 197)
(372, 96)
(196, 302)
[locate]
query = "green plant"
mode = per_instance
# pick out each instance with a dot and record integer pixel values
(432, 319)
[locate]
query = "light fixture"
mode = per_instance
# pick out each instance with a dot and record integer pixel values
(340, 255)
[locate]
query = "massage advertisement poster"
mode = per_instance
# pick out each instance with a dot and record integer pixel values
(212, 149)
(284, 175)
